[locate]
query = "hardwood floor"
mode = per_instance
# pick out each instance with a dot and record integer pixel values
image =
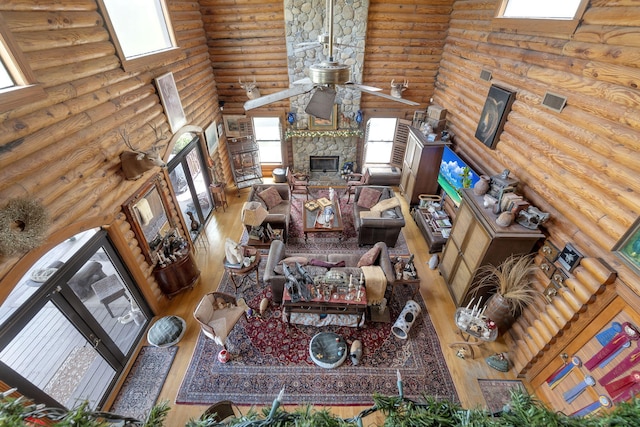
(465, 372)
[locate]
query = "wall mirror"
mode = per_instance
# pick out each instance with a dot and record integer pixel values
(147, 212)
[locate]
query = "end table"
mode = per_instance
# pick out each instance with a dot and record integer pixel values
(219, 196)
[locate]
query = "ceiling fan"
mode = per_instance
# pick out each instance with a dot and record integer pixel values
(323, 76)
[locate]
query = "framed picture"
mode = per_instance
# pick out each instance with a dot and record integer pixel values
(211, 135)
(232, 125)
(494, 115)
(322, 124)
(220, 130)
(628, 248)
(170, 99)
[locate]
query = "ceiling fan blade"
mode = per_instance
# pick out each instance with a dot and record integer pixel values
(296, 89)
(384, 95)
(364, 88)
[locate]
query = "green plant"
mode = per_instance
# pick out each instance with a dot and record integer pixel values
(466, 177)
(513, 280)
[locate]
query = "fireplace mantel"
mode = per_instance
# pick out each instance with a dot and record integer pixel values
(340, 133)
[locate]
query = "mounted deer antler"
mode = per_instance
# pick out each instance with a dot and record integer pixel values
(251, 88)
(398, 88)
(136, 162)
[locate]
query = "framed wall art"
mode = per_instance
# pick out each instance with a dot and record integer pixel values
(211, 135)
(232, 125)
(494, 115)
(628, 248)
(316, 123)
(170, 99)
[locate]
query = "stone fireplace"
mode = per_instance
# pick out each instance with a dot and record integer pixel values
(334, 149)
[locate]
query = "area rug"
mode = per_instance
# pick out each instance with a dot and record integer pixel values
(323, 243)
(70, 374)
(498, 392)
(142, 386)
(267, 354)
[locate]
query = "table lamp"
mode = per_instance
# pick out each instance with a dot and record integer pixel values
(253, 214)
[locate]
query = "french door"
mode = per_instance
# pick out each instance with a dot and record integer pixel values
(190, 182)
(67, 338)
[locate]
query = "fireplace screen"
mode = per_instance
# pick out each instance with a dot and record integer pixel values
(324, 163)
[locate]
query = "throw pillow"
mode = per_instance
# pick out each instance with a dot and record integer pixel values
(271, 197)
(368, 197)
(369, 257)
(385, 204)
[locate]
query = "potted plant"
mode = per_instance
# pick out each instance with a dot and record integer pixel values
(512, 284)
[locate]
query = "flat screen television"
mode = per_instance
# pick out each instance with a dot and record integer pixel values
(451, 175)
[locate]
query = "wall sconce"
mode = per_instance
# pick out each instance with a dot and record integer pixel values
(221, 105)
(291, 117)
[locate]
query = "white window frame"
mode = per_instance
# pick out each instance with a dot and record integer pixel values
(151, 58)
(272, 142)
(25, 87)
(370, 140)
(556, 27)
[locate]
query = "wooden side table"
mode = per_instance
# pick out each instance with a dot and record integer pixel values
(219, 196)
(243, 273)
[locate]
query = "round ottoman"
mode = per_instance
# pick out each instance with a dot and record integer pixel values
(328, 350)
(279, 175)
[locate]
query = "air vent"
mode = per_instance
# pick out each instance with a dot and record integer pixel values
(485, 75)
(554, 102)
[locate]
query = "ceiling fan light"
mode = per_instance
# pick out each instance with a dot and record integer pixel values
(321, 103)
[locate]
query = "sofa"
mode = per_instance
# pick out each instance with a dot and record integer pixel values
(377, 215)
(279, 208)
(274, 277)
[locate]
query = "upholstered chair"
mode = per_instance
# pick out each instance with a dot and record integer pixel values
(298, 183)
(355, 180)
(217, 313)
(377, 215)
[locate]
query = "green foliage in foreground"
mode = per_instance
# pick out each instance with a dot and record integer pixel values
(523, 410)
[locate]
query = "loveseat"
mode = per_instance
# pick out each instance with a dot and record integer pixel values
(279, 208)
(377, 215)
(274, 277)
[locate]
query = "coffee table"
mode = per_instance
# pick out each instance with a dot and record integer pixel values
(319, 305)
(312, 225)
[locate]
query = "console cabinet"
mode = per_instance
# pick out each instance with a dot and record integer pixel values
(420, 166)
(477, 240)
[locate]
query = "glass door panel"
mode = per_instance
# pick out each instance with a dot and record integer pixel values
(55, 357)
(182, 190)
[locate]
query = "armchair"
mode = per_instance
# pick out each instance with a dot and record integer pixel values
(385, 226)
(355, 180)
(298, 182)
(217, 313)
(279, 208)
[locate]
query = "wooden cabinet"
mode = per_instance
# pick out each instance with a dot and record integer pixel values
(179, 275)
(477, 240)
(420, 166)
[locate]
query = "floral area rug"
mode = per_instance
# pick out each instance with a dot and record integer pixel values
(144, 382)
(267, 354)
(497, 393)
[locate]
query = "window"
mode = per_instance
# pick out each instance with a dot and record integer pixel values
(268, 137)
(17, 81)
(139, 41)
(552, 17)
(380, 137)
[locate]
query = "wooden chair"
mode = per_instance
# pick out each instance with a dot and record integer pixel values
(356, 180)
(298, 183)
(219, 411)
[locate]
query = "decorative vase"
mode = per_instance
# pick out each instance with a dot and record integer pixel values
(499, 311)
(505, 219)
(223, 356)
(481, 187)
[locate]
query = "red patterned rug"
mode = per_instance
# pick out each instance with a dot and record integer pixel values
(266, 355)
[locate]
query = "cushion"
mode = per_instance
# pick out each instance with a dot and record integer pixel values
(299, 259)
(271, 197)
(369, 214)
(369, 257)
(389, 213)
(321, 263)
(368, 197)
(385, 204)
(167, 331)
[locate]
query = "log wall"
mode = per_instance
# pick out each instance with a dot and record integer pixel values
(63, 150)
(581, 164)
